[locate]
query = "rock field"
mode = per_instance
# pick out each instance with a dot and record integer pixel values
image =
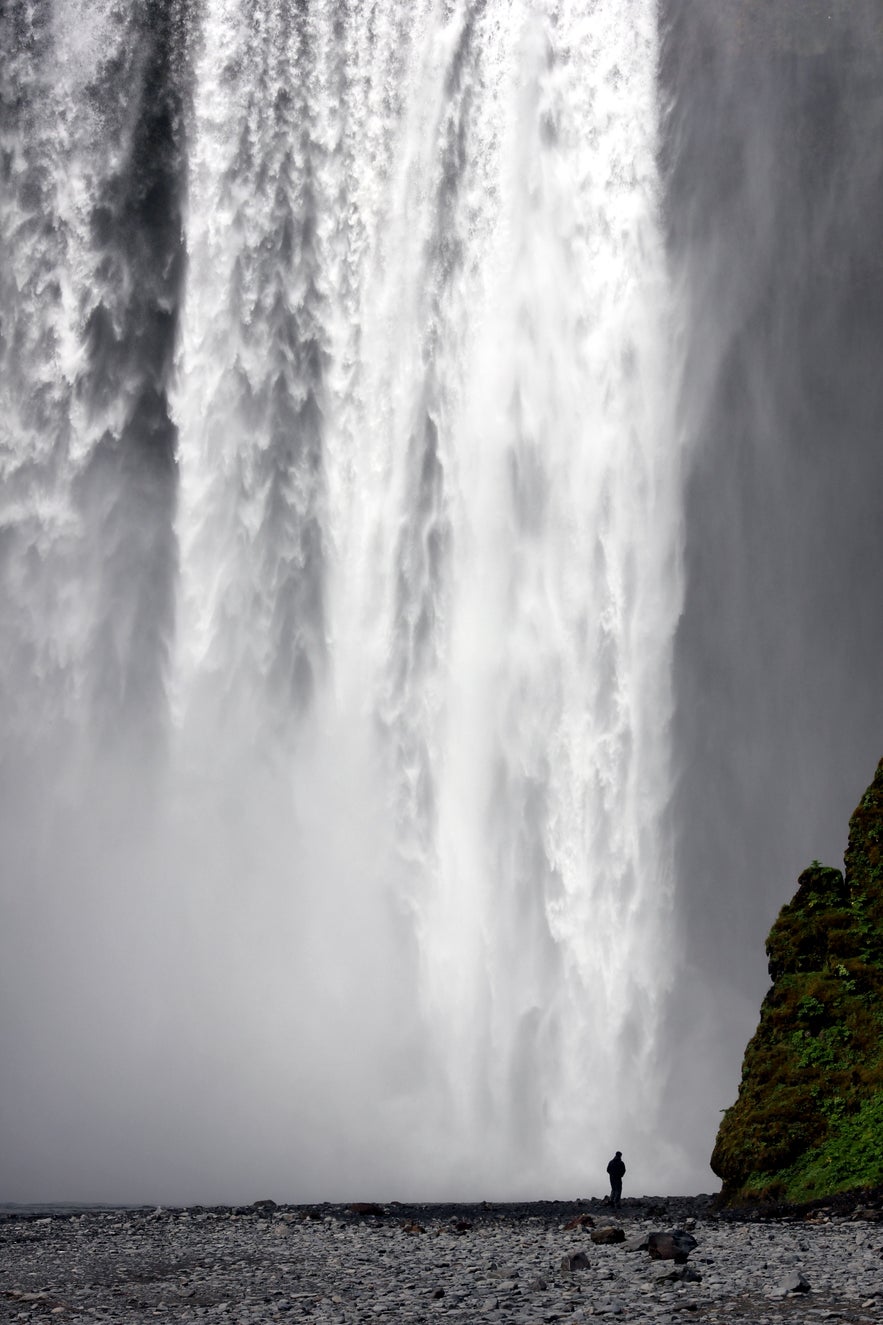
(495, 1263)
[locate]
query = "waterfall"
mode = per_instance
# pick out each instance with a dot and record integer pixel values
(340, 574)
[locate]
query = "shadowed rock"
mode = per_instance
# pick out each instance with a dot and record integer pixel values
(674, 1246)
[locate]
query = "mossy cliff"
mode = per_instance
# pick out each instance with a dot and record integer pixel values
(808, 1121)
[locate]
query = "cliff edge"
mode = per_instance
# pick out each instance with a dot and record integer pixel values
(808, 1120)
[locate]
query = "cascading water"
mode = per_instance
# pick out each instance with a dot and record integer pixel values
(338, 752)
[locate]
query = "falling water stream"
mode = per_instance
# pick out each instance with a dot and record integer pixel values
(339, 575)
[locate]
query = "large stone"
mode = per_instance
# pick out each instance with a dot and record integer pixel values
(792, 1283)
(608, 1235)
(574, 1260)
(675, 1246)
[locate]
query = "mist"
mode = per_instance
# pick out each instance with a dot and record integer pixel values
(774, 203)
(441, 483)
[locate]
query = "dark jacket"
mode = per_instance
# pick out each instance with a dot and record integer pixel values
(616, 1168)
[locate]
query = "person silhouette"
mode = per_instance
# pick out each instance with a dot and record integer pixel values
(616, 1169)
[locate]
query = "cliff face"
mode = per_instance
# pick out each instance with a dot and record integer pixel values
(809, 1117)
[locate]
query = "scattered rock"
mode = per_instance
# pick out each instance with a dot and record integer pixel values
(413, 1228)
(212, 1265)
(580, 1221)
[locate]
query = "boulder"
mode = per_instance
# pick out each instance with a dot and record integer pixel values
(675, 1246)
(792, 1283)
(608, 1235)
(574, 1260)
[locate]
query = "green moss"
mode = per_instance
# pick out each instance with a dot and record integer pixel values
(853, 1146)
(809, 1117)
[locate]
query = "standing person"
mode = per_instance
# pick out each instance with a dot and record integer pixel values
(616, 1169)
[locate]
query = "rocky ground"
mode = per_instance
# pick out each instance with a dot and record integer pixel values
(494, 1263)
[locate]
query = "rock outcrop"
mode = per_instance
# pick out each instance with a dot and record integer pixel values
(808, 1120)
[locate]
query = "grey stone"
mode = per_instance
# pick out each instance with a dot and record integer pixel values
(792, 1283)
(574, 1260)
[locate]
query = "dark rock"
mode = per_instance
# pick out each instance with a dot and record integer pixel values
(574, 1260)
(675, 1246)
(607, 1236)
(265, 1206)
(413, 1227)
(367, 1208)
(580, 1221)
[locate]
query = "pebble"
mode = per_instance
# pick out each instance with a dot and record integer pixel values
(332, 1266)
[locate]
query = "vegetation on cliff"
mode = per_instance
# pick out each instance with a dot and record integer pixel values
(808, 1121)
